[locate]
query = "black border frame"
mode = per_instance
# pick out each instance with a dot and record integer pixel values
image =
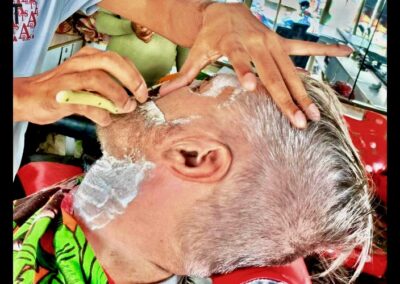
(6, 21)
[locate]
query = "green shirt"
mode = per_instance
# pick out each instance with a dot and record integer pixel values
(154, 59)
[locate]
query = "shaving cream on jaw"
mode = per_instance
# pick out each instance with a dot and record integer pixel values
(107, 189)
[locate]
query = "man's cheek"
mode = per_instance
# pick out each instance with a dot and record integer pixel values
(160, 186)
(113, 142)
(108, 188)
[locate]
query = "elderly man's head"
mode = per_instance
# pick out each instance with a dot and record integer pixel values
(212, 178)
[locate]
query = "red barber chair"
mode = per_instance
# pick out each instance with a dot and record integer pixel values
(375, 265)
(293, 273)
(35, 176)
(370, 138)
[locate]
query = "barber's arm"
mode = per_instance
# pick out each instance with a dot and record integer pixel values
(215, 29)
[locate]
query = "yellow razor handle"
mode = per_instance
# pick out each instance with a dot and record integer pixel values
(86, 98)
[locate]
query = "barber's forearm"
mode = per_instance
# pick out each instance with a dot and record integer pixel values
(177, 20)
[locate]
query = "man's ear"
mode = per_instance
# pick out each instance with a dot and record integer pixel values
(198, 159)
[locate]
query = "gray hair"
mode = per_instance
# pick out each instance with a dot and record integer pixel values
(298, 192)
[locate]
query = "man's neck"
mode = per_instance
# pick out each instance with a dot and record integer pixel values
(148, 272)
(124, 264)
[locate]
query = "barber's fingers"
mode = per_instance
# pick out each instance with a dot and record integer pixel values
(142, 88)
(271, 77)
(114, 64)
(294, 84)
(100, 82)
(84, 51)
(241, 62)
(199, 56)
(299, 47)
(97, 115)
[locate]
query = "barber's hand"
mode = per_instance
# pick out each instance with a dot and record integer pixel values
(232, 30)
(89, 69)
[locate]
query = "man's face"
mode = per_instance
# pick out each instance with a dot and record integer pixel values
(191, 105)
(190, 158)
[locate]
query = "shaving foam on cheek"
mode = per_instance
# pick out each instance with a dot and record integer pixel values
(152, 113)
(107, 189)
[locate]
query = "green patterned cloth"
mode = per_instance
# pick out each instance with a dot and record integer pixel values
(48, 245)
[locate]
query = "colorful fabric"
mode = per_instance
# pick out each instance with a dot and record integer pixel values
(86, 26)
(48, 245)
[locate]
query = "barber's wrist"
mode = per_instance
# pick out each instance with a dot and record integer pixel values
(185, 26)
(217, 13)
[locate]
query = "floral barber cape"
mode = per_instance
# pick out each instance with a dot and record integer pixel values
(49, 246)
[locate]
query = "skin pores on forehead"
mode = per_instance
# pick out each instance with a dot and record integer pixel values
(107, 189)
